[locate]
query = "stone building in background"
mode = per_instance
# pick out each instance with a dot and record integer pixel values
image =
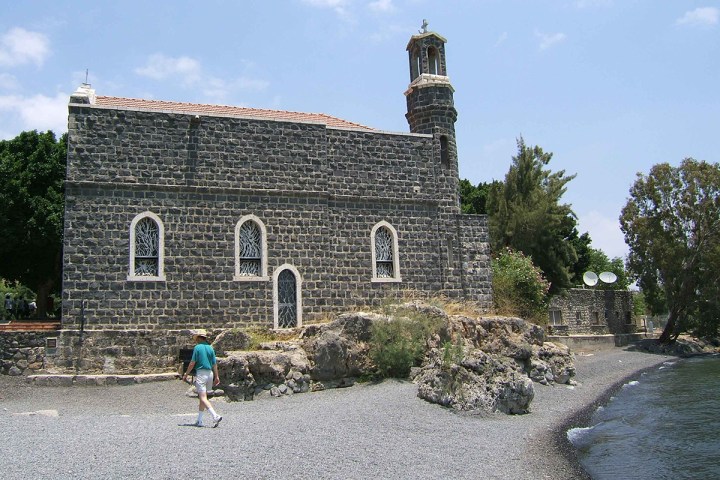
(588, 311)
(182, 215)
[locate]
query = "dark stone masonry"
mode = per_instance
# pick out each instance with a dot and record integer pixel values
(181, 216)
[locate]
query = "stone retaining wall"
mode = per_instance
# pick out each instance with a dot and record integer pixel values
(23, 353)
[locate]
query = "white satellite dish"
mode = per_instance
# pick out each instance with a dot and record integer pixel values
(608, 277)
(590, 279)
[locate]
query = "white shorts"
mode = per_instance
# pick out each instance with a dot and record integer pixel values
(203, 380)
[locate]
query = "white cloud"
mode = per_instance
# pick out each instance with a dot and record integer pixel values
(19, 46)
(339, 6)
(501, 39)
(548, 40)
(189, 73)
(38, 112)
(8, 82)
(160, 67)
(593, 3)
(703, 16)
(605, 233)
(382, 6)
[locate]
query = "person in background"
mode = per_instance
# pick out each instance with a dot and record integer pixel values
(9, 306)
(206, 375)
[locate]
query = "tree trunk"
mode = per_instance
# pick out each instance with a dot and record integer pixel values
(667, 336)
(43, 293)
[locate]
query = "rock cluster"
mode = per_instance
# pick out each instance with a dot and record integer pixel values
(471, 364)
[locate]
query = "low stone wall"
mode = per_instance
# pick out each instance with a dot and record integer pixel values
(578, 343)
(23, 353)
(110, 352)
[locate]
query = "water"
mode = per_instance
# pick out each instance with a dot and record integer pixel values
(665, 425)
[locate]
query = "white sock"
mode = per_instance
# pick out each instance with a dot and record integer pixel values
(199, 420)
(213, 413)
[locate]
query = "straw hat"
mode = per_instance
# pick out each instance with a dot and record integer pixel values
(201, 332)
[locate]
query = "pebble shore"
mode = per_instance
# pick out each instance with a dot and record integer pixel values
(365, 431)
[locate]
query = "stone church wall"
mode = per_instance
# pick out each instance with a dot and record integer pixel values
(319, 191)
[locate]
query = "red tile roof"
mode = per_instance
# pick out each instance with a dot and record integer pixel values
(200, 109)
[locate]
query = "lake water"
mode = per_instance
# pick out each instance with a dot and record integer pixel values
(665, 425)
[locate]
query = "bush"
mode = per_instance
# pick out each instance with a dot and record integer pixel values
(399, 344)
(519, 287)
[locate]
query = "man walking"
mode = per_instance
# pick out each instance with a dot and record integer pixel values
(206, 375)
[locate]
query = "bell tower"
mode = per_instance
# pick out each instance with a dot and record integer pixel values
(431, 109)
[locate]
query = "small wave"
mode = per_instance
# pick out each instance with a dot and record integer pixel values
(631, 384)
(580, 436)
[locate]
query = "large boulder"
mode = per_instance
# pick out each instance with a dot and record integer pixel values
(338, 351)
(479, 383)
(247, 374)
(230, 341)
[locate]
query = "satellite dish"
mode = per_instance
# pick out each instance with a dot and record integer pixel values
(590, 279)
(608, 277)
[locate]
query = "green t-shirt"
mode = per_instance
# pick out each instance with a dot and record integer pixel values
(203, 356)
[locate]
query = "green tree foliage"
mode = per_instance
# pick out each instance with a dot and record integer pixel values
(32, 176)
(671, 224)
(519, 287)
(599, 262)
(583, 251)
(526, 215)
(473, 199)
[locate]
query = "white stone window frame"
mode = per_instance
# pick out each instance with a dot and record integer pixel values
(396, 254)
(160, 277)
(298, 296)
(263, 277)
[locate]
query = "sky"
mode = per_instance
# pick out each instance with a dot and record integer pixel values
(610, 87)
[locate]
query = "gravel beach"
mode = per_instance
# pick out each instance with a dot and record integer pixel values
(367, 431)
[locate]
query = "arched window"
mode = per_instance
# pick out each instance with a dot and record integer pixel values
(433, 61)
(147, 245)
(287, 297)
(384, 244)
(250, 249)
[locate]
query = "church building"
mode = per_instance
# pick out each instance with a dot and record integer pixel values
(182, 216)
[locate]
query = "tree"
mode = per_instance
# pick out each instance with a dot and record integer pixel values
(671, 224)
(32, 177)
(526, 215)
(474, 199)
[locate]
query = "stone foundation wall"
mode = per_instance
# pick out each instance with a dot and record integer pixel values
(119, 351)
(23, 353)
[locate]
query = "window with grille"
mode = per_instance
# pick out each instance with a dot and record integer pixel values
(250, 249)
(147, 244)
(385, 253)
(147, 248)
(287, 297)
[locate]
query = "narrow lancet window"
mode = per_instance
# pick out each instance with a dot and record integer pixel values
(385, 253)
(146, 248)
(250, 249)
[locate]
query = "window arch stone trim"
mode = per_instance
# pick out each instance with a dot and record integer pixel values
(395, 254)
(160, 277)
(263, 277)
(276, 296)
